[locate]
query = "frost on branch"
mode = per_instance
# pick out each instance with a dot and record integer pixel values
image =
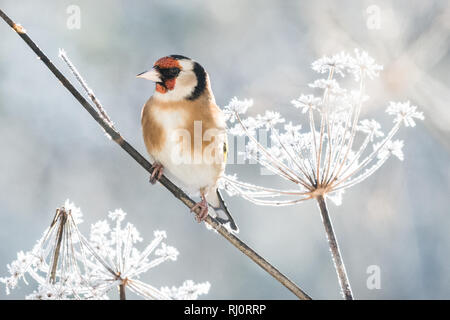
(66, 265)
(322, 158)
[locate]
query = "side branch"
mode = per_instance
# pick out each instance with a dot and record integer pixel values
(177, 192)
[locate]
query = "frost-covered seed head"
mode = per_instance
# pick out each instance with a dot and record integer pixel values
(323, 159)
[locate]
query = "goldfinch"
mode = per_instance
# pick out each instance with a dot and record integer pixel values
(185, 132)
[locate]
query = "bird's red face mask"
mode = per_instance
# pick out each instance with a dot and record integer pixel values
(164, 73)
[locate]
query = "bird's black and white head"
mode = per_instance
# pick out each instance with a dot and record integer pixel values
(177, 78)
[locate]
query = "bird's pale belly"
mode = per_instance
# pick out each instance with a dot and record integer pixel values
(193, 175)
(191, 168)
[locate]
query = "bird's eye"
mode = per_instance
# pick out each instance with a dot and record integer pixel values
(169, 73)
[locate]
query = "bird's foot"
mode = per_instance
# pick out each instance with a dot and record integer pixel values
(157, 173)
(203, 205)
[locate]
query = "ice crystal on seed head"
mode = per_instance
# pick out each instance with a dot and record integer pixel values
(188, 291)
(269, 119)
(306, 102)
(237, 106)
(75, 211)
(117, 215)
(330, 85)
(337, 63)
(391, 147)
(362, 65)
(335, 151)
(371, 127)
(404, 112)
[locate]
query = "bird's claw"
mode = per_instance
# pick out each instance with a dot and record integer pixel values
(203, 205)
(157, 172)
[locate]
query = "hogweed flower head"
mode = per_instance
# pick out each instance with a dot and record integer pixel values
(66, 265)
(56, 262)
(323, 159)
(116, 261)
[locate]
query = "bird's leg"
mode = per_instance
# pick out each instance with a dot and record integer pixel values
(157, 172)
(203, 205)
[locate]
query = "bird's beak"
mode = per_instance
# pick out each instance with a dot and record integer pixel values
(152, 75)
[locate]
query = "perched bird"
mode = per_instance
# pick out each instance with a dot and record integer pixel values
(185, 132)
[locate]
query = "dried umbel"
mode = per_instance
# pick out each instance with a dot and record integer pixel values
(56, 262)
(116, 262)
(66, 265)
(323, 160)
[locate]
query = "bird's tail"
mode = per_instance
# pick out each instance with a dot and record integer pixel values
(223, 208)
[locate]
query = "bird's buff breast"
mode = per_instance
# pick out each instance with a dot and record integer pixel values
(160, 127)
(168, 136)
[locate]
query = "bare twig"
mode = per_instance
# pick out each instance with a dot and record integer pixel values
(178, 193)
(334, 248)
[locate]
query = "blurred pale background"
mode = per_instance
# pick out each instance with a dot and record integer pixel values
(51, 149)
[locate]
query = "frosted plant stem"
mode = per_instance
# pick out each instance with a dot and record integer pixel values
(334, 248)
(312, 125)
(122, 293)
(62, 218)
(85, 86)
(132, 152)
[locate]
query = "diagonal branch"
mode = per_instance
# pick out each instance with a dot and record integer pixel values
(177, 192)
